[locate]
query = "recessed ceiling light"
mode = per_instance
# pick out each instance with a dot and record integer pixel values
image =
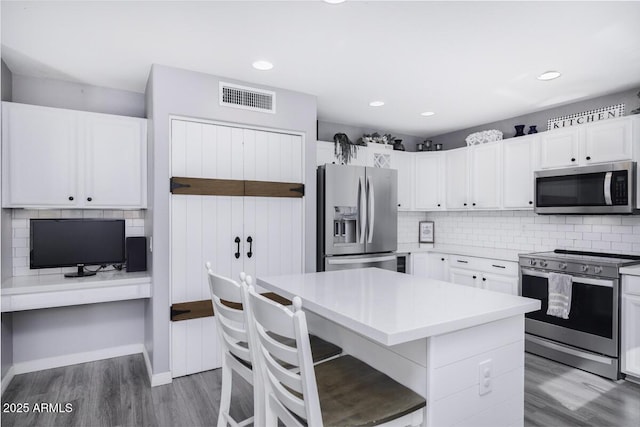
(549, 75)
(262, 65)
(334, 1)
(427, 113)
(376, 103)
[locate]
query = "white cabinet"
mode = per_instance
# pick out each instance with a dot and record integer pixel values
(484, 273)
(486, 175)
(261, 236)
(464, 277)
(429, 181)
(438, 266)
(559, 148)
(403, 162)
(630, 327)
(499, 283)
(55, 158)
(599, 142)
(607, 141)
(457, 174)
(519, 160)
(420, 264)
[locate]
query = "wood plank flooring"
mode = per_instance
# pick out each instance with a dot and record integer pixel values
(115, 392)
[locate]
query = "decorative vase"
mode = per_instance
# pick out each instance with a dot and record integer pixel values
(519, 130)
(532, 129)
(397, 145)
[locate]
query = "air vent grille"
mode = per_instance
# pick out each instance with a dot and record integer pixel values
(247, 98)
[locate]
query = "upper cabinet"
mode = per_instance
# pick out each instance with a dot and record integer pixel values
(55, 158)
(429, 181)
(519, 160)
(403, 162)
(599, 142)
(457, 178)
(486, 175)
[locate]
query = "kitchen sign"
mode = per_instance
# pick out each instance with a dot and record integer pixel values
(586, 117)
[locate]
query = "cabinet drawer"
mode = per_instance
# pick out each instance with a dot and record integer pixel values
(631, 285)
(507, 268)
(467, 262)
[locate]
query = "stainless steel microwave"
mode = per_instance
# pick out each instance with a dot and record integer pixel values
(609, 188)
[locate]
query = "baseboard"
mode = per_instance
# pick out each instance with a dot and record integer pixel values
(6, 380)
(155, 379)
(75, 358)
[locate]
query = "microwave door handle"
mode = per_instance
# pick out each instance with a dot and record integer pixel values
(607, 188)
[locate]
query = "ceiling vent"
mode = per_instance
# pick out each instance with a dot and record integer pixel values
(247, 98)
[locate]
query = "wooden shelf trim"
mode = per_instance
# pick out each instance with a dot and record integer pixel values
(231, 187)
(204, 308)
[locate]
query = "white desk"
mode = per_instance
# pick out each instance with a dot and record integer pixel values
(54, 290)
(432, 336)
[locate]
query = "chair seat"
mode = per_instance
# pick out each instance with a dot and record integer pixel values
(355, 394)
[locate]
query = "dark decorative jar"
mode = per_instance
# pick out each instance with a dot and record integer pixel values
(532, 129)
(519, 130)
(397, 145)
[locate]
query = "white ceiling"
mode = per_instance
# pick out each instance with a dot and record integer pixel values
(470, 62)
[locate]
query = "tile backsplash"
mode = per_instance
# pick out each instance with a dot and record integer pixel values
(134, 226)
(408, 226)
(527, 232)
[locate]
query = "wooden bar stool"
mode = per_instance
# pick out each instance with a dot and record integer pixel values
(339, 392)
(232, 321)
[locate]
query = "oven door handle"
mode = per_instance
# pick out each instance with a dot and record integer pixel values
(582, 280)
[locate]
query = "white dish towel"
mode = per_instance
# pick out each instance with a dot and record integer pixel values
(560, 286)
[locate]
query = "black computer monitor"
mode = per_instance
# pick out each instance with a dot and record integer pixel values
(76, 242)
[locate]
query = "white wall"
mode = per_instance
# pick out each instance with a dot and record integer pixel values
(192, 94)
(524, 231)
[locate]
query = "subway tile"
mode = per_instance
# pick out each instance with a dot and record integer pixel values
(115, 214)
(89, 213)
(574, 219)
(611, 220)
(591, 236)
(20, 243)
(583, 228)
(49, 213)
(622, 246)
(555, 219)
(20, 261)
(24, 271)
(594, 219)
(632, 238)
(611, 237)
(71, 213)
(630, 220)
(601, 228)
(20, 252)
(565, 227)
(622, 229)
(582, 243)
(24, 213)
(20, 233)
(574, 235)
(19, 223)
(601, 245)
(566, 243)
(557, 234)
(541, 219)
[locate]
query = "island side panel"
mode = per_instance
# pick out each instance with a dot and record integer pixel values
(460, 391)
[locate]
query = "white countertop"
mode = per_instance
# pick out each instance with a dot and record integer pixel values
(393, 308)
(55, 290)
(476, 251)
(632, 270)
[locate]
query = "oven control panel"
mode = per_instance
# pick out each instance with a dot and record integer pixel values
(569, 267)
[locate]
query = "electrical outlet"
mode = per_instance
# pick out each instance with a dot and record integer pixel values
(485, 372)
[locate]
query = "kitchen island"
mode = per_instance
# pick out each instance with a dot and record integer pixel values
(461, 348)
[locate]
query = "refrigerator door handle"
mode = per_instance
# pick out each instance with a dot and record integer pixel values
(361, 209)
(372, 204)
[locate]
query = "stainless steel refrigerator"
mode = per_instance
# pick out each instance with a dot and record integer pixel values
(357, 217)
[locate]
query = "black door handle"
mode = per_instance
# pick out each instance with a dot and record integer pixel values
(250, 241)
(237, 240)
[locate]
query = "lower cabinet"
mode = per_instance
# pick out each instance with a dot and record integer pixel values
(464, 277)
(630, 333)
(488, 281)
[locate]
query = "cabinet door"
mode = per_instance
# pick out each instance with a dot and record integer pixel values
(631, 335)
(486, 176)
(559, 148)
(271, 156)
(420, 265)
(456, 183)
(376, 156)
(429, 181)
(325, 153)
(463, 277)
(202, 150)
(518, 164)
(498, 283)
(403, 163)
(203, 228)
(40, 156)
(438, 265)
(115, 161)
(607, 141)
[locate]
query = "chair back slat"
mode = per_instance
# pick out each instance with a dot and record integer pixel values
(297, 392)
(235, 330)
(240, 352)
(282, 374)
(224, 288)
(283, 414)
(227, 312)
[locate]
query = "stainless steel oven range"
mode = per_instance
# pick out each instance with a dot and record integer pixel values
(589, 338)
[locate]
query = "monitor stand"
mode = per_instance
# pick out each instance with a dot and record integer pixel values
(80, 272)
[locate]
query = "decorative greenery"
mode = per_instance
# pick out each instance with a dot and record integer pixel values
(377, 138)
(348, 150)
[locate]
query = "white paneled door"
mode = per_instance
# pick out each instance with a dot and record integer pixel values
(258, 235)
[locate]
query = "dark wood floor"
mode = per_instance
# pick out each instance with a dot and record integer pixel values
(115, 392)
